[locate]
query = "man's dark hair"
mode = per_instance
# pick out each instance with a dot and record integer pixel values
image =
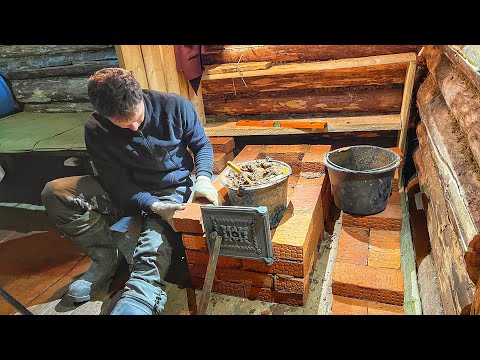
(114, 92)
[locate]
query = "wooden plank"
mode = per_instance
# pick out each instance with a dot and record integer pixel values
(170, 69)
(463, 65)
(368, 99)
(298, 68)
(339, 124)
(358, 76)
(130, 58)
(76, 69)
(219, 54)
(153, 61)
(211, 267)
(411, 303)
(228, 68)
(406, 102)
(197, 101)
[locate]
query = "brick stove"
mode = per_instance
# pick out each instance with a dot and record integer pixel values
(294, 241)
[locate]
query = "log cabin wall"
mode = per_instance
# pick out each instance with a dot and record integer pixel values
(374, 90)
(52, 78)
(448, 166)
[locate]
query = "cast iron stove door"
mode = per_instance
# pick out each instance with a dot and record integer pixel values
(245, 231)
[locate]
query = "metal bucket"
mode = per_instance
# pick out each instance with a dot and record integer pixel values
(361, 177)
(273, 195)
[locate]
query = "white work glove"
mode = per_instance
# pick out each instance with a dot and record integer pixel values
(203, 188)
(166, 210)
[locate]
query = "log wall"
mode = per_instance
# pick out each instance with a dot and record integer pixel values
(347, 91)
(52, 78)
(448, 164)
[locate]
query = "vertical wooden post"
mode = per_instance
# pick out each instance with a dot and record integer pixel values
(405, 110)
(197, 101)
(130, 57)
(154, 64)
(170, 69)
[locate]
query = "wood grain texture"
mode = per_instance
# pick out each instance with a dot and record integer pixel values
(456, 288)
(218, 54)
(337, 124)
(467, 69)
(406, 103)
(328, 78)
(153, 61)
(14, 51)
(130, 58)
(361, 99)
(44, 90)
(461, 97)
(227, 68)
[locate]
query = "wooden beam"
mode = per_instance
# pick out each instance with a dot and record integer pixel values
(130, 58)
(339, 124)
(465, 67)
(219, 54)
(197, 101)
(154, 65)
(367, 99)
(297, 68)
(15, 51)
(170, 69)
(406, 102)
(359, 76)
(228, 68)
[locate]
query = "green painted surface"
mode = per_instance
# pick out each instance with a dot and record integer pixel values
(24, 132)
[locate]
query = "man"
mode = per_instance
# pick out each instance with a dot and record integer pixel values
(137, 141)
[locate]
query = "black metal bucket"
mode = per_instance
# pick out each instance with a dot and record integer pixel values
(361, 177)
(273, 195)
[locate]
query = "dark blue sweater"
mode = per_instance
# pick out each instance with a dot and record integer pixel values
(132, 165)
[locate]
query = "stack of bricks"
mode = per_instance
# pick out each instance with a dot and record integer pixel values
(367, 276)
(294, 241)
(222, 152)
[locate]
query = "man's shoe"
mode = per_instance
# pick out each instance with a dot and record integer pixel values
(131, 306)
(96, 278)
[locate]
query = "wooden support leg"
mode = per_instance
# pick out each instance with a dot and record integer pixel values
(207, 286)
(192, 301)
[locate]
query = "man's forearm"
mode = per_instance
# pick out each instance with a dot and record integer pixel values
(204, 160)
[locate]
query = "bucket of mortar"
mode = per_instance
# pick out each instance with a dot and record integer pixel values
(361, 177)
(273, 194)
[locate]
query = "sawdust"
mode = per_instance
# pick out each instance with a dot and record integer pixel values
(259, 171)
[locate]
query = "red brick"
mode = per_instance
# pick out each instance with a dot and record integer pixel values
(384, 249)
(250, 152)
(306, 197)
(201, 258)
(353, 246)
(220, 161)
(223, 287)
(327, 198)
(222, 144)
(190, 219)
(197, 270)
(286, 267)
(396, 181)
(374, 308)
(306, 179)
(270, 295)
(195, 242)
(368, 283)
(389, 219)
(290, 284)
(245, 277)
(348, 306)
(394, 198)
(313, 159)
(291, 154)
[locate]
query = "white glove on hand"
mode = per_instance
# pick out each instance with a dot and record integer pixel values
(203, 188)
(166, 210)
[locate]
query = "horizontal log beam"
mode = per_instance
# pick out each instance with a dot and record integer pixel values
(358, 76)
(359, 99)
(289, 53)
(77, 69)
(46, 90)
(299, 68)
(59, 107)
(463, 65)
(228, 68)
(15, 51)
